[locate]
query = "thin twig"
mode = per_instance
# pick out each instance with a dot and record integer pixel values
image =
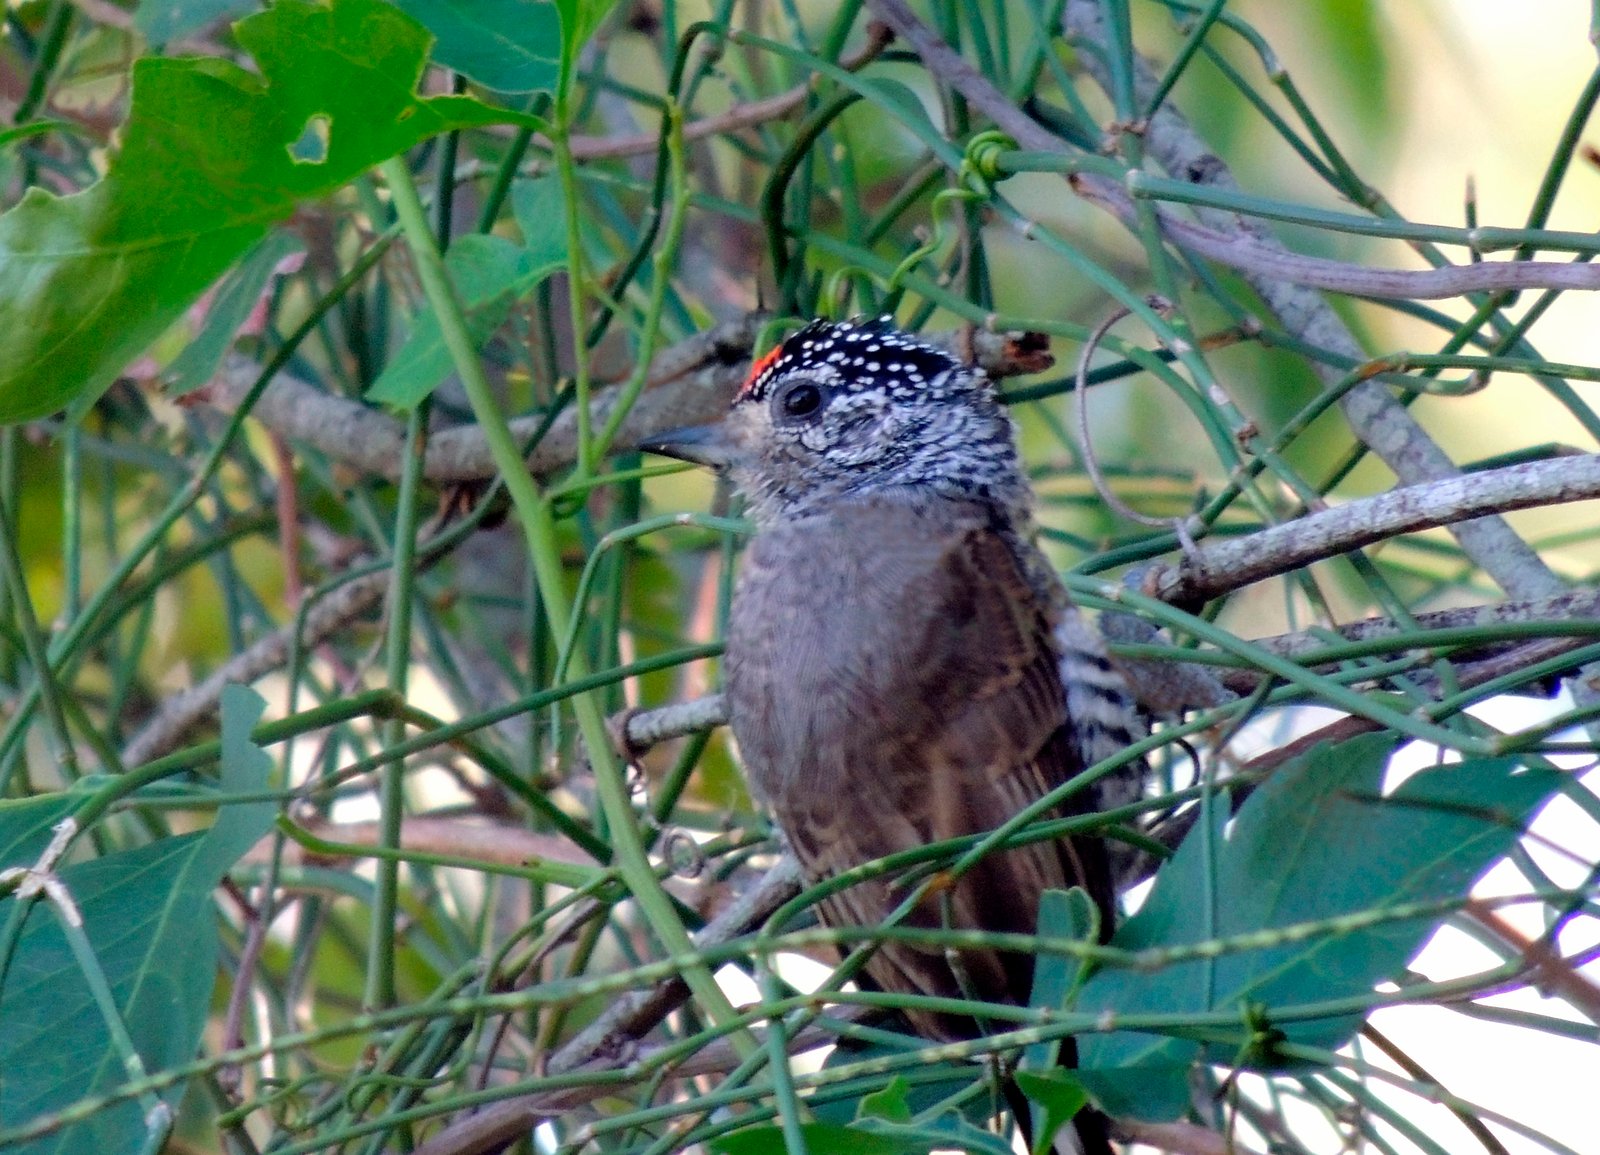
(738, 117)
(167, 728)
(612, 1041)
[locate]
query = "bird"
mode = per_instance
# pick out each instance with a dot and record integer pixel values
(902, 665)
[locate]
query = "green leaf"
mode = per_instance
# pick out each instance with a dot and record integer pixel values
(895, 97)
(539, 208)
(1062, 914)
(27, 823)
(490, 274)
(890, 1103)
(235, 298)
(89, 280)
(949, 1132)
(1061, 1096)
(149, 916)
(932, 1083)
(1318, 841)
(506, 45)
(1154, 1092)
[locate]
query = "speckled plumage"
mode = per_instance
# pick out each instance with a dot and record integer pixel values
(902, 664)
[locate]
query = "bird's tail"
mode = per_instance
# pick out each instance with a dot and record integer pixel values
(1104, 718)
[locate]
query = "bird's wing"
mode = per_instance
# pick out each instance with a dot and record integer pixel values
(942, 715)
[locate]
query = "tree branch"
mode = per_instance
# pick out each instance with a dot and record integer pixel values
(1218, 567)
(691, 383)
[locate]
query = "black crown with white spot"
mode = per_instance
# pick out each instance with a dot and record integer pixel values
(866, 354)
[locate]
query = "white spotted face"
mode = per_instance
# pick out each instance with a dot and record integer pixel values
(842, 408)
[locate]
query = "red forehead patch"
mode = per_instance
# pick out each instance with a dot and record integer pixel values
(760, 366)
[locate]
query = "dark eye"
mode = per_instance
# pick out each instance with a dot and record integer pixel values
(801, 399)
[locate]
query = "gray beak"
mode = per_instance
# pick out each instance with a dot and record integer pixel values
(701, 444)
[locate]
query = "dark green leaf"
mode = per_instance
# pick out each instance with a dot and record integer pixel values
(26, 825)
(506, 45)
(1156, 1092)
(1062, 914)
(1318, 841)
(87, 281)
(149, 916)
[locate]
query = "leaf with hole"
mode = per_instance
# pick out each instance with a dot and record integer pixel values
(212, 156)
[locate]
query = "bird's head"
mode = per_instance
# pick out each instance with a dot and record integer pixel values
(844, 408)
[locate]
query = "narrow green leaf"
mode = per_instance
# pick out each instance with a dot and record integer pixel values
(890, 1103)
(1062, 914)
(21, 132)
(1061, 1096)
(88, 281)
(235, 298)
(934, 1083)
(896, 97)
(951, 1131)
(579, 19)
(490, 274)
(1317, 842)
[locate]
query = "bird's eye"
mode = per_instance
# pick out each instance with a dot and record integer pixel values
(801, 399)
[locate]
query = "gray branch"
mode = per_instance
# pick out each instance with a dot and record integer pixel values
(691, 383)
(1574, 605)
(1217, 567)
